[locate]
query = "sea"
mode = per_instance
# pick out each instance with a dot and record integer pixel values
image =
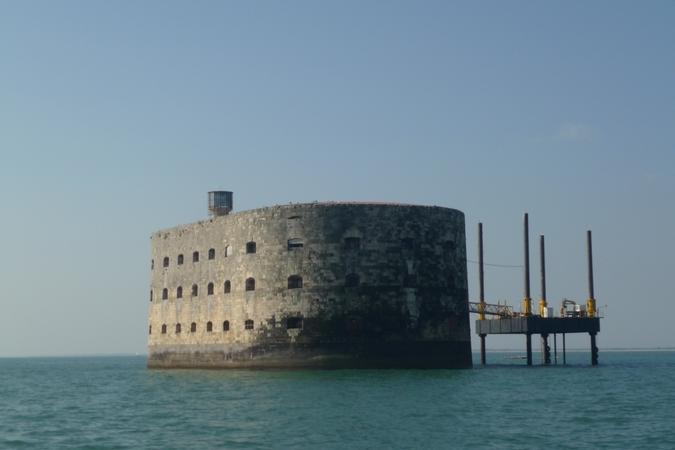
(627, 402)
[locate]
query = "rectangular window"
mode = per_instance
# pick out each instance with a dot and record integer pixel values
(352, 243)
(295, 243)
(294, 323)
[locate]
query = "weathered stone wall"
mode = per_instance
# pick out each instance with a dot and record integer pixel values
(408, 308)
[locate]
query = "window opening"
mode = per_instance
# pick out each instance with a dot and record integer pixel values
(209, 327)
(165, 263)
(352, 243)
(212, 253)
(180, 260)
(410, 280)
(250, 247)
(449, 246)
(295, 243)
(294, 282)
(209, 289)
(193, 327)
(248, 325)
(293, 323)
(165, 294)
(195, 257)
(250, 284)
(179, 292)
(352, 280)
(226, 325)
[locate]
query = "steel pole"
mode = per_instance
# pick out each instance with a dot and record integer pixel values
(590, 304)
(481, 273)
(542, 265)
(482, 350)
(589, 252)
(481, 285)
(527, 302)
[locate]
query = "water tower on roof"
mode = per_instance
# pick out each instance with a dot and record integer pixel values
(220, 203)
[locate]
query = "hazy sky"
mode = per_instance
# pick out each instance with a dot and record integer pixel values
(117, 117)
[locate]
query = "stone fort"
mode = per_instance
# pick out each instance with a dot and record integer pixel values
(326, 285)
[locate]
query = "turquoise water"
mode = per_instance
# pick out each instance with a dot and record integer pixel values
(628, 402)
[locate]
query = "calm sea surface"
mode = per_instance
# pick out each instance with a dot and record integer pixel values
(627, 402)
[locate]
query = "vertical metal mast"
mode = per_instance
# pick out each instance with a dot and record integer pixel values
(542, 257)
(546, 350)
(481, 285)
(481, 282)
(590, 304)
(527, 302)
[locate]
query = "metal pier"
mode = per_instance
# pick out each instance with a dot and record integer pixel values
(505, 321)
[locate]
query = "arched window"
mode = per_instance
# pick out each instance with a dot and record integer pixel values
(410, 280)
(228, 251)
(250, 247)
(355, 325)
(180, 259)
(293, 323)
(295, 243)
(352, 280)
(165, 294)
(177, 328)
(212, 253)
(209, 289)
(150, 294)
(193, 327)
(195, 257)
(448, 246)
(248, 325)
(250, 284)
(352, 243)
(195, 290)
(226, 325)
(227, 287)
(149, 329)
(294, 282)
(209, 326)
(152, 264)
(166, 262)
(179, 292)
(163, 328)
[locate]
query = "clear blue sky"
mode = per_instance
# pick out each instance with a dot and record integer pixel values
(116, 118)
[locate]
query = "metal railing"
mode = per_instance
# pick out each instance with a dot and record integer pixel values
(491, 309)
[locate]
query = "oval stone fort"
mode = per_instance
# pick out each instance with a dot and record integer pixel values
(316, 285)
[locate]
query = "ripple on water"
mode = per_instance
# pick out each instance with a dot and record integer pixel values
(107, 403)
